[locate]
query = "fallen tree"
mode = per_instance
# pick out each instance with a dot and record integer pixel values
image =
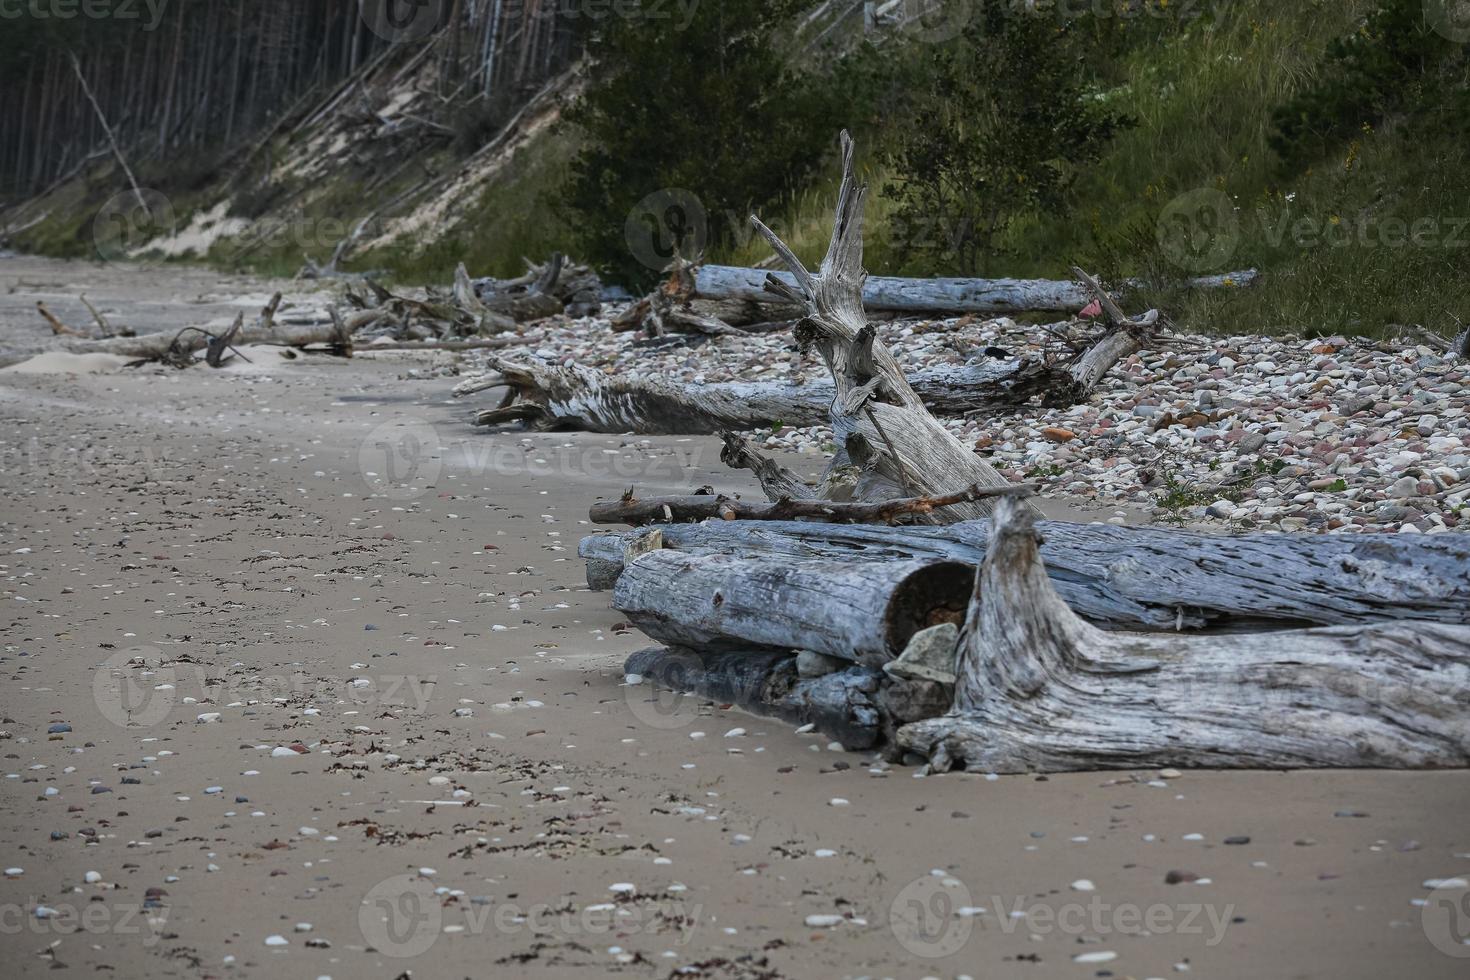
(1133, 578)
(936, 296)
(1040, 690)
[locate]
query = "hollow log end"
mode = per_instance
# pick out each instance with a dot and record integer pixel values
(935, 594)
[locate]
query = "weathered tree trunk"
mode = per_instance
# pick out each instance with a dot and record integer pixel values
(576, 397)
(862, 611)
(1137, 578)
(1040, 690)
(938, 296)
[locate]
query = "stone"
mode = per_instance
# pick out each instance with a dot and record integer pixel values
(1403, 487)
(1221, 510)
(812, 664)
(929, 656)
(1253, 442)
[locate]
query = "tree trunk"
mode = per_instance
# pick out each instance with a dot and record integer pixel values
(1040, 690)
(862, 611)
(575, 397)
(937, 296)
(1137, 578)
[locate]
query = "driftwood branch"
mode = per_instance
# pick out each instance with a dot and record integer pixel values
(1041, 690)
(701, 507)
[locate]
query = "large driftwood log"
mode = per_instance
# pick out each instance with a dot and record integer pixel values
(1039, 689)
(863, 611)
(577, 397)
(700, 507)
(938, 296)
(1137, 578)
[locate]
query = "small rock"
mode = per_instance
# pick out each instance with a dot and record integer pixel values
(929, 656)
(811, 664)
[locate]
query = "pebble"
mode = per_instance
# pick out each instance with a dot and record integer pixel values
(1267, 417)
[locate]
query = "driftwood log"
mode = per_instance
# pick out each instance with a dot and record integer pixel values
(937, 296)
(1040, 690)
(155, 346)
(577, 397)
(843, 705)
(1134, 578)
(862, 611)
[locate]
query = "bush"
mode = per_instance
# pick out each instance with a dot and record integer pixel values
(993, 126)
(713, 109)
(1395, 63)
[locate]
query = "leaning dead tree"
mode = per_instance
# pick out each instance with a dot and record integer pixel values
(1041, 690)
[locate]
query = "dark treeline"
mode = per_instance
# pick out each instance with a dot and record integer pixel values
(182, 81)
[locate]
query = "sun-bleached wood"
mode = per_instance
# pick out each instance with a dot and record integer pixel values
(1042, 690)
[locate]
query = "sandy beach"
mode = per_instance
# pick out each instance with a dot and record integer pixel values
(302, 679)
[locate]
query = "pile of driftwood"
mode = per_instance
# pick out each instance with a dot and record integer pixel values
(954, 628)
(471, 314)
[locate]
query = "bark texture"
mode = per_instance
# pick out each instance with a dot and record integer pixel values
(861, 611)
(1141, 578)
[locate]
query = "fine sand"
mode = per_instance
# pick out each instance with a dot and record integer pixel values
(302, 679)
